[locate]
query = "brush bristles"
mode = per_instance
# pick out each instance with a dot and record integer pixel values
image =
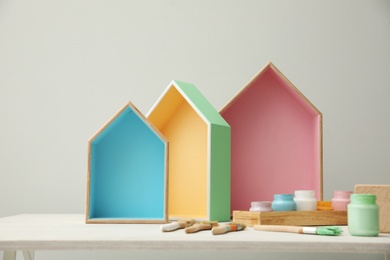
(329, 231)
(238, 225)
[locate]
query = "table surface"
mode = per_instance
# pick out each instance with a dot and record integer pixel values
(69, 232)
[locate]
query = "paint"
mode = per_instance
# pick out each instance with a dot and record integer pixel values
(305, 200)
(261, 206)
(324, 205)
(363, 215)
(341, 199)
(284, 202)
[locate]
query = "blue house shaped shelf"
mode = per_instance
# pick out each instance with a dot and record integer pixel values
(127, 171)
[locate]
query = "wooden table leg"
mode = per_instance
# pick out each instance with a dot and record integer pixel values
(28, 254)
(9, 255)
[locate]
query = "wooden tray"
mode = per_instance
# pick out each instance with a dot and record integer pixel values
(276, 140)
(291, 218)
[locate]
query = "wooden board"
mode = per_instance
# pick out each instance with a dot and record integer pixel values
(382, 193)
(292, 218)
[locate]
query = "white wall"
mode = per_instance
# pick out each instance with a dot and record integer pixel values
(67, 66)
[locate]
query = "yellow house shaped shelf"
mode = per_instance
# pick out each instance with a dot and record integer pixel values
(199, 153)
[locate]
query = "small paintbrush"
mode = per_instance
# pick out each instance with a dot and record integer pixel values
(227, 228)
(183, 223)
(325, 231)
(205, 225)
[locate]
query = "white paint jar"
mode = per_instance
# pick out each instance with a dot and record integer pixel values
(305, 200)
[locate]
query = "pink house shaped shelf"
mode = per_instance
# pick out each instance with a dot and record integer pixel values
(276, 140)
(127, 171)
(199, 153)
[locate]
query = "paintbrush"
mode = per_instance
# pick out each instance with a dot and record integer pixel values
(183, 223)
(230, 227)
(205, 225)
(325, 231)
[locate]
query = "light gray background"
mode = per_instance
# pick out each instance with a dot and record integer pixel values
(66, 67)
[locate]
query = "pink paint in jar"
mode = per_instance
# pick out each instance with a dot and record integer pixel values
(260, 206)
(341, 199)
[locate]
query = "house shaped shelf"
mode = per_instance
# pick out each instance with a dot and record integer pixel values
(276, 140)
(199, 153)
(127, 171)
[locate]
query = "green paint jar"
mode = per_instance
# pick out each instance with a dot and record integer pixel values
(363, 215)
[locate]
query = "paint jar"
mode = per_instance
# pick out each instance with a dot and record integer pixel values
(305, 200)
(284, 202)
(363, 215)
(341, 199)
(324, 205)
(261, 206)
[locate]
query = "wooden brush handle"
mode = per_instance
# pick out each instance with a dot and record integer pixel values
(198, 227)
(219, 230)
(172, 226)
(224, 229)
(176, 225)
(290, 229)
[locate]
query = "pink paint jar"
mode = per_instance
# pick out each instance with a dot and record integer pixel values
(261, 206)
(341, 199)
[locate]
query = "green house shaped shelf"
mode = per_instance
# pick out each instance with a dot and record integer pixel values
(127, 171)
(199, 153)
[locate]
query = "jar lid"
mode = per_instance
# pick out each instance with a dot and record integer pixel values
(342, 193)
(363, 198)
(324, 205)
(284, 196)
(305, 193)
(261, 203)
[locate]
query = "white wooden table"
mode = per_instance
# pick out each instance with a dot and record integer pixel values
(28, 233)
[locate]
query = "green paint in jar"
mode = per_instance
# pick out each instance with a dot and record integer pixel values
(363, 215)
